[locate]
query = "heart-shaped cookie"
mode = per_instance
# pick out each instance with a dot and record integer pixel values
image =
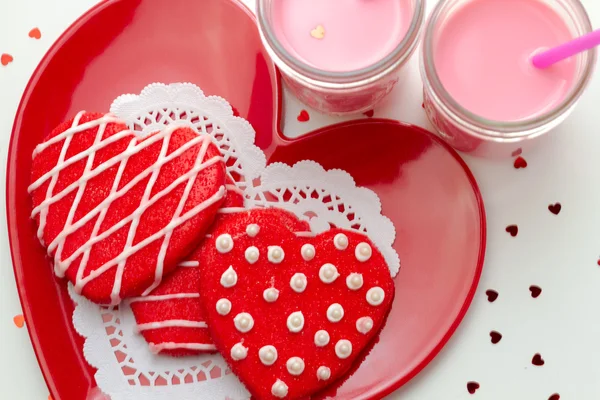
(116, 211)
(291, 312)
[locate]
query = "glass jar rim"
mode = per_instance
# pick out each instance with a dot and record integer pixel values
(346, 79)
(494, 128)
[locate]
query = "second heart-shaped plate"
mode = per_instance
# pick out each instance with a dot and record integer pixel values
(428, 192)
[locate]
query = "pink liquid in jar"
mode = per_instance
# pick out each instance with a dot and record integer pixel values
(482, 55)
(355, 33)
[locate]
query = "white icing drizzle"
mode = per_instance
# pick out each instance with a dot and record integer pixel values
(271, 295)
(364, 325)
(323, 373)
(298, 282)
(223, 306)
(171, 323)
(157, 348)
(308, 252)
(267, 355)
(233, 187)
(363, 252)
(354, 281)
(295, 322)
(335, 313)
(322, 338)
(231, 210)
(305, 234)
(279, 389)
(340, 241)
(229, 278)
(295, 366)
(328, 273)
(243, 322)
(251, 254)
(189, 264)
(164, 297)
(252, 230)
(239, 352)
(343, 349)
(224, 243)
(375, 296)
(55, 248)
(275, 254)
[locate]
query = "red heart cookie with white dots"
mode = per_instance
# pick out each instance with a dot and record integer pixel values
(291, 312)
(117, 211)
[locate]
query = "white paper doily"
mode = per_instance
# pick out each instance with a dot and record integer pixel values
(127, 370)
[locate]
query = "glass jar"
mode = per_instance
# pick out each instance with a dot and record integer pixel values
(340, 92)
(471, 133)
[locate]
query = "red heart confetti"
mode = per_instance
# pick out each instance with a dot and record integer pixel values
(6, 59)
(423, 105)
(472, 387)
(537, 360)
(370, 113)
(495, 336)
(517, 152)
(555, 208)
(492, 295)
(520, 162)
(303, 116)
(19, 321)
(291, 313)
(116, 210)
(598, 262)
(535, 291)
(555, 396)
(513, 230)
(35, 33)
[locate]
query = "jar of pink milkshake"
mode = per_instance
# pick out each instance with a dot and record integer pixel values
(482, 92)
(340, 56)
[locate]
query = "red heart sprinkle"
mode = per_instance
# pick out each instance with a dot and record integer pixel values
(537, 360)
(492, 295)
(535, 291)
(35, 33)
(520, 162)
(6, 59)
(303, 116)
(423, 105)
(472, 387)
(555, 396)
(513, 230)
(517, 152)
(496, 337)
(555, 208)
(599, 261)
(370, 113)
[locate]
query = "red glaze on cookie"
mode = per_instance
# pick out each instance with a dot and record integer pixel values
(116, 211)
(294, 319)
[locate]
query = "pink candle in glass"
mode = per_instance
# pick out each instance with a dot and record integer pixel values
(341, 35)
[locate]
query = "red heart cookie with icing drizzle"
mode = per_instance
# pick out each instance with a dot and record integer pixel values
(291, 312)
(116, 211)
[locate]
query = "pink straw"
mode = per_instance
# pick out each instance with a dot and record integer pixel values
(569, 49)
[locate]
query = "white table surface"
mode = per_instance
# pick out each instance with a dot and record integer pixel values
(559, 253)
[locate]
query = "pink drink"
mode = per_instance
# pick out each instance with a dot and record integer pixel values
(356, 33)
(482, 56)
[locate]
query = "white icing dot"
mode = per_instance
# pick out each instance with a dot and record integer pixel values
(298, 283)
(275, 254)
(252, 230)
(251, 254)
(295, 366)
(343, 349)
(224, 243)
(323, 373)
(340, 241)
(271, 295)
(268, 355)
(279, 389)
(321, 338)
(223, 306)
(229, 278)
(295, 322)
(308, 252)
(328, 273)
(363, 252)
(354, 281)
(239, 352)
(243, 322)
(364, 325)
(335, 312)
(375, 296)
